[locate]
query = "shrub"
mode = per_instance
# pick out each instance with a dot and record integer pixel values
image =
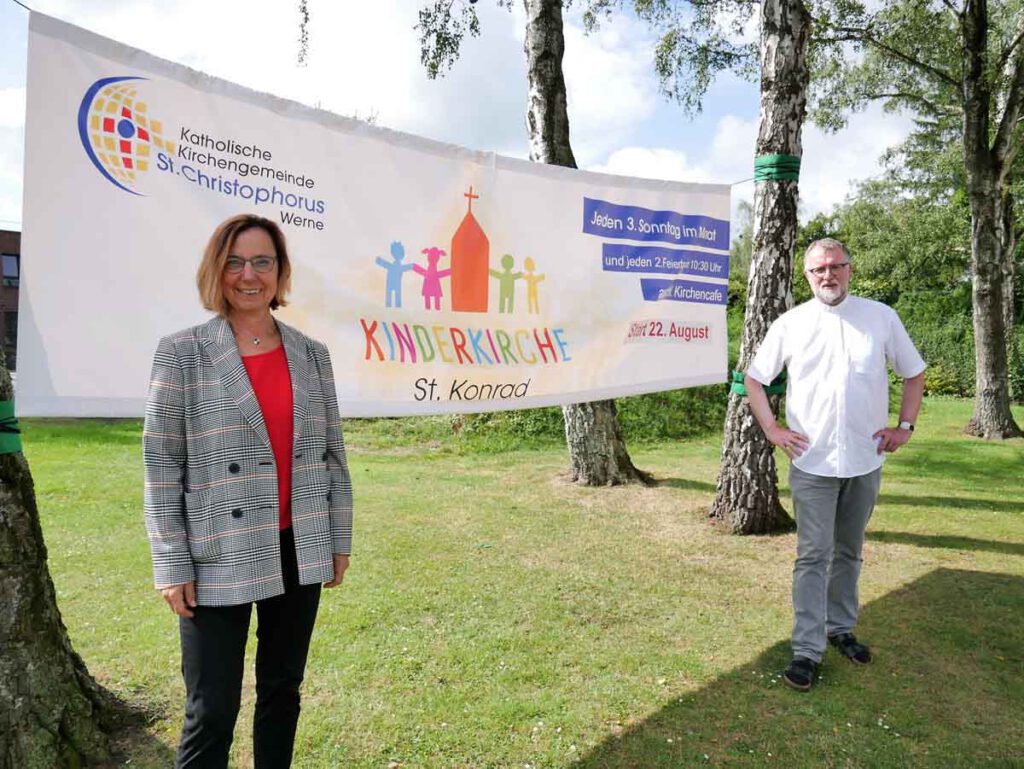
(941, 327)
(1016, 364)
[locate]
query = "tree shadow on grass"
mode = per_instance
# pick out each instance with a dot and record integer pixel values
(945, 690)
(948, 542)
(952, 503)
(131, 740)
(972, 463)
(686, 484)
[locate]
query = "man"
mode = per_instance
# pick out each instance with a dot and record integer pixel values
(835, 348)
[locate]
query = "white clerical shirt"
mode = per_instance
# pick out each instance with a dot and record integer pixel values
(837, 391)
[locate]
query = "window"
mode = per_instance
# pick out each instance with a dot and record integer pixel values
(12, 269)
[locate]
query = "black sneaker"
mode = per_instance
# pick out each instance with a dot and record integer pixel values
(851, 648)
(800, 673)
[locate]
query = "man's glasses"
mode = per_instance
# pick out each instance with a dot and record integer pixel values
(235, 264)
(819, 272)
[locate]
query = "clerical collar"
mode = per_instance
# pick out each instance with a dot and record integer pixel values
(833, 308)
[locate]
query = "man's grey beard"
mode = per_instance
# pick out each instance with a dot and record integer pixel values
(828, 296)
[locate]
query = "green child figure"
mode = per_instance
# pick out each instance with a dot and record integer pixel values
(506, 283)
(532, 301)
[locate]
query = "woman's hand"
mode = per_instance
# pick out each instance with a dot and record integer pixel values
(181, 598)
(340, 565)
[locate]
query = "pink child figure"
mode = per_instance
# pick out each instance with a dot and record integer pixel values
(432, 277)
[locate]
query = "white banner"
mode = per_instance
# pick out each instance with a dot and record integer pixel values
(441, 279)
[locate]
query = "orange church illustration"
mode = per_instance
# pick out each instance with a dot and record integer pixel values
(470, 263)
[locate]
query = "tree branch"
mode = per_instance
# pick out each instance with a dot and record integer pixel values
(932, 107)
(863, 35)
(956, 11)
(1007, 143)
(303, 33)
(1009, 51)
(441, 34)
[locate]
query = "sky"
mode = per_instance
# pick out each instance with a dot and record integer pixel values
(363, 61)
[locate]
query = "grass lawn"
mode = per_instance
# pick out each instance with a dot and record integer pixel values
(497, 616)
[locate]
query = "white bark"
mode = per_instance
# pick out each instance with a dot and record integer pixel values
(747, 498)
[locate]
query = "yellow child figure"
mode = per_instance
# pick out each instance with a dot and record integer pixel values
(506, 283)
(532, 302)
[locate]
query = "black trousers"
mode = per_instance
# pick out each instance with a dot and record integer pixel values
(212, 662)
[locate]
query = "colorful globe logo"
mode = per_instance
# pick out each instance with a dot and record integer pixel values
(117, 131)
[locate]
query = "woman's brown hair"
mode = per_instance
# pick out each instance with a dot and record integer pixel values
(219, 249)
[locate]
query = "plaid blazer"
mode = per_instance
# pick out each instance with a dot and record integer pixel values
(211, 501)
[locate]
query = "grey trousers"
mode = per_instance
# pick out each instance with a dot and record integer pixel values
(831, 516)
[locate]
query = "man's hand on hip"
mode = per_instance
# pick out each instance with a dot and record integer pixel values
(791, 442)
(891, 438)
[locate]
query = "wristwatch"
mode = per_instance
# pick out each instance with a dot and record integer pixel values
(907, 426)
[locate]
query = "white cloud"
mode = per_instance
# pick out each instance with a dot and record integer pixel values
(732, 149)
(608, 73)
(653, 163)
(832, 164)
(728, 159)
(11, 162)
(12, 107)
(610, 83)
(12, 153)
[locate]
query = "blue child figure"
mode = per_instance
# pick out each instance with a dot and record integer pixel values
(395, 270)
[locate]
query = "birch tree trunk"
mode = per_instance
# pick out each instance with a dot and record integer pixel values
(984, 165)
(1008, 238)
(747, 497)
(52, 712)
(1008, 264)
(597, 451)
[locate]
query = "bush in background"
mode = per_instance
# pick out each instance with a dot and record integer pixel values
(942, 330)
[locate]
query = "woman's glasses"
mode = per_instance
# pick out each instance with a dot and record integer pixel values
(235, 264)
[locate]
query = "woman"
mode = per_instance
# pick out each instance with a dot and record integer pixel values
(248, 498)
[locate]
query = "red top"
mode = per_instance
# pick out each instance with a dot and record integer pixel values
(268, 373)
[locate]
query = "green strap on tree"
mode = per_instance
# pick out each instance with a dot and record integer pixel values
(10, 435)
(777, 387)
(776, 168)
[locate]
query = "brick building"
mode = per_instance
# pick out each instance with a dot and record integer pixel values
(10, 252)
